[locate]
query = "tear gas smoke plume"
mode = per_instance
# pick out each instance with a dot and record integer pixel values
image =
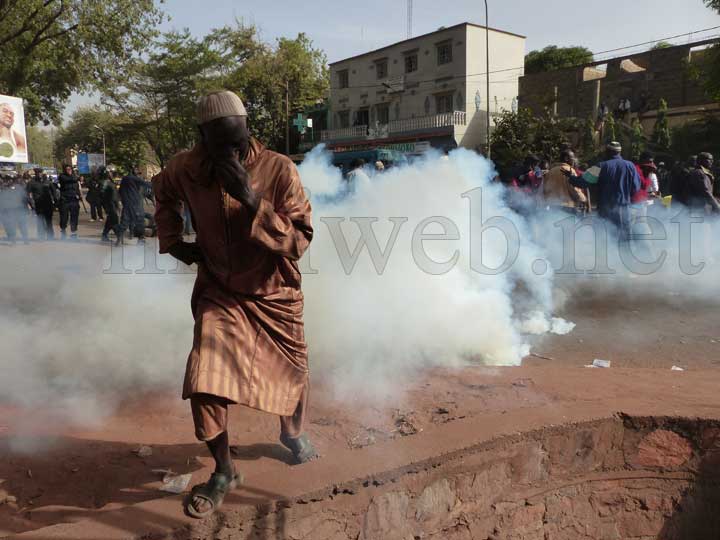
(403, 302)
(76, 341)
(422, 265)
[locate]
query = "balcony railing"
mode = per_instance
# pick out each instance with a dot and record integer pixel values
(456, 118)
(355, 132)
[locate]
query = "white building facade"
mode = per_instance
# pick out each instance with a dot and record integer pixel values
(428, 91)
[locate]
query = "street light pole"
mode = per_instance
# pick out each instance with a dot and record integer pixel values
(103, 139)
(287, 118)
(487, 77)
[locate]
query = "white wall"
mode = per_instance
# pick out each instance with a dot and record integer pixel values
(507, 58)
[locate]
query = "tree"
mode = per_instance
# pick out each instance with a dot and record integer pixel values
(511, 139)
(552, 134)
(552, 57)
(695, 137)
(587, 143)
(40, 146)
(54, 47)
(610, 129)
(637, 139)
(262, 79)
(707, 69)
(661, 131)
(518, 134)
(125, 144)
(661, 45)
(159, 94)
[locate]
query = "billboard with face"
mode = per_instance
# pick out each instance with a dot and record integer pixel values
(13, 139)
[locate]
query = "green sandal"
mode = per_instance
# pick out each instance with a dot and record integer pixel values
(301, 447)
(214, 492)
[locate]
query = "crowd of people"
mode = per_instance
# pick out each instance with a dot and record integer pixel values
(620, 190)
(120, 202)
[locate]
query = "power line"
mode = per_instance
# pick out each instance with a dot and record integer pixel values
(505, 70)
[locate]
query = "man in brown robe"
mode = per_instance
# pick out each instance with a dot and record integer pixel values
(252, 220)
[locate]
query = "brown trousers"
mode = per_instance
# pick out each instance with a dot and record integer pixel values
(210, 414)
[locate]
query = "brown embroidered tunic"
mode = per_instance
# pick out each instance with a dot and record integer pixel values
(249, 344)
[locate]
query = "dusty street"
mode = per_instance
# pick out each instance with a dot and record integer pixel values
(70, 481)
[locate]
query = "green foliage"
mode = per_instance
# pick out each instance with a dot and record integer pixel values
(610, 129)
(661, 45)
(518, 134)
(40, 146)
(587, 142)
(125, 144)
(713, 4)
(551, 58)
(261, 83)
(512, 138)
(695, 137)
(661, 131)
(637, 140)
(54, 47)
(160, 94)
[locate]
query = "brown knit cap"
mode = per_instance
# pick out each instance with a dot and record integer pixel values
(219, 105)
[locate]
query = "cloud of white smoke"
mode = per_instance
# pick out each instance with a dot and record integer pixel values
(76, 340)
(401, 308)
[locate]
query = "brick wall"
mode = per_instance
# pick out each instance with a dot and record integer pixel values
(643, 78)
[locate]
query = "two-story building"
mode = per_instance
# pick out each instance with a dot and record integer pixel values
(427, 91)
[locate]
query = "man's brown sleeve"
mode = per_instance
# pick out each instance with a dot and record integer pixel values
(168, 211)
(284, 226)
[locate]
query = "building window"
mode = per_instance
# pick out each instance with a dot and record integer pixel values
(382, 113)
(444, 53)
(343, 79)
(444, 103)
(362, 117)
(343, 119)
(411, 62)
(381, 69)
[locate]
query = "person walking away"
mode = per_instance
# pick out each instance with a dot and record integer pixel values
(94, 198)
(617, 182)
(701, 201)
(111, 205)
(699, 189)
(43, 195)
(558, 191)
(253, 225)
(70, 198)
(680, 179)
(14, 207)
(132, 194)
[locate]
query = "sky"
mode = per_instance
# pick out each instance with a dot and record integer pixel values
(344, 28)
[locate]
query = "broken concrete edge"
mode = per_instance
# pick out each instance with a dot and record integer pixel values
(168, 508)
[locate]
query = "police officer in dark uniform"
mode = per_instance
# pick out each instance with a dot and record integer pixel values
(133, 191)
(44, 199)
(14, 207)
(94, 198)
(70, 198)
(111, 203)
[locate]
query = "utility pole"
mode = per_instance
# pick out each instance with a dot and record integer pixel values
(287, 117)
(487, 76)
